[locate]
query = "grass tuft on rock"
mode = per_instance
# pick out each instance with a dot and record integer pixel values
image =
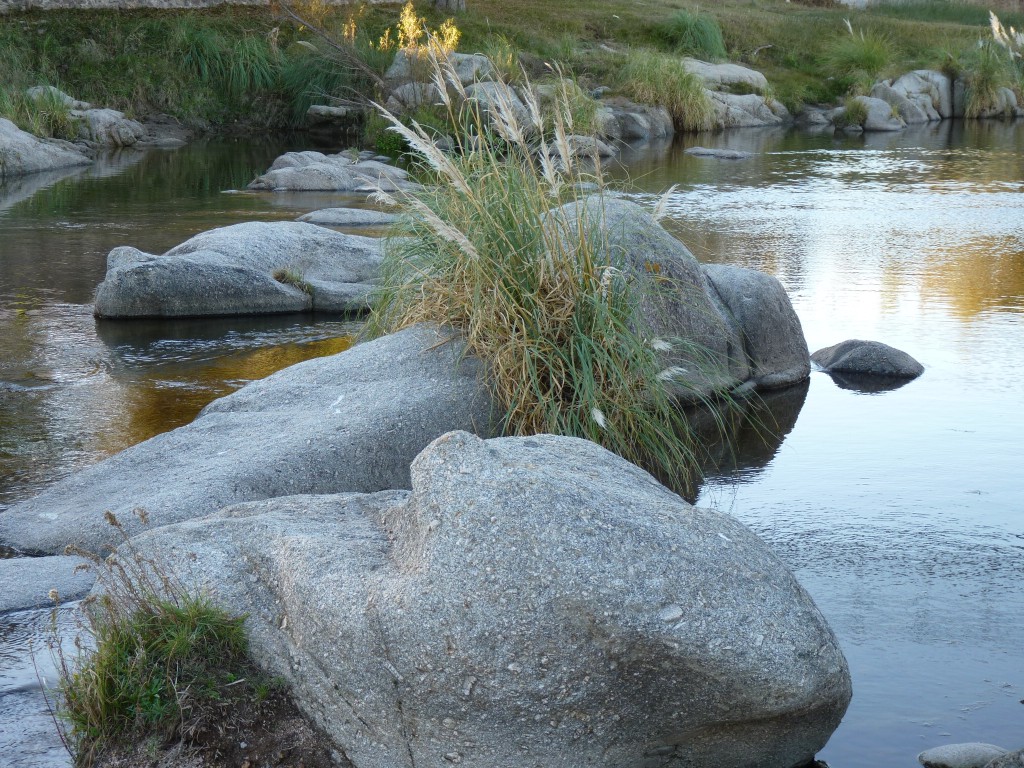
(491, 250)
(158, 664)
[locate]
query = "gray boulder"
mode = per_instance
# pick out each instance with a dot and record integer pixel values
(489, 96)
(726, 326)
(867, 357)
(408, 97)
(245, 269)
(50, 93)
(107, 127)
(348, 422)
(620, 119)
(757, 306)
(745, 111)
(25, 582)
(532, 601)
(920, 96)
(969, 755)
(305, 172)
(321, 117)
(22, 153)
(726, 75)
(1009, 760)
(412, 65)
(880, 116)
(349, 217)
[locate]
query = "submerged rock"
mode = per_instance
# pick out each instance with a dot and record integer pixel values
(244, 269)
(349, 422)
(25, 582)
(534, 599)
(349, 217)
(867, 357)
(969, 755)
(718, 153)
(22, 153)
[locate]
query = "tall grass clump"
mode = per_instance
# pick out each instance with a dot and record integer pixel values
(987, 69)
(856, 59)
(655, 78)
(692, 34)
(156, 661)
(43, 115)
(503, 249)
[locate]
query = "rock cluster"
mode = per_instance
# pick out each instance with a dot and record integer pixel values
(738, 95)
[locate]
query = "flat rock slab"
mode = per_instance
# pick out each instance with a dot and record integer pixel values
(969, 755)
(867, 358)
(720, 154)
(245, 269)
(349, 217)
(347, 422)
(25, 582)
(532, 601)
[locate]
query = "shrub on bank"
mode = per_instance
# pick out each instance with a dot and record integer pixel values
(656, 78)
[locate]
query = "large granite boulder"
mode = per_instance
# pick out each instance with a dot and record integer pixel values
(726, 328)
(1013, 759)
(879, 115)
(867, 357)
(533, 601)
(244, 269)
(757, 307)
(349, 422)
(22, 153)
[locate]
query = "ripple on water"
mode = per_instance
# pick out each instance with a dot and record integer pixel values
(28, 735)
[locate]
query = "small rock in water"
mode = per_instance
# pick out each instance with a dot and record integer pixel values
(970, 755)
(721, 154)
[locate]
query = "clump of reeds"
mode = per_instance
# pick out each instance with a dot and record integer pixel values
(502, 249)
(692, 34)
(658, 78)
(857, 58)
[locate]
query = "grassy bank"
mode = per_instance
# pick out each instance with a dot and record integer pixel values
(253, 69)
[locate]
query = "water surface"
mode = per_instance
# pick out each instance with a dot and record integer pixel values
(899, 510)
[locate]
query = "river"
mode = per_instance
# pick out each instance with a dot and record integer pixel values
(900, 511)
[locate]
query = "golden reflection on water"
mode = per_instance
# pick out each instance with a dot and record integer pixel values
(975, 276)
(163, 401)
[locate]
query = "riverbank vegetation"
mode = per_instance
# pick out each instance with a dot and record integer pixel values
(249, 68)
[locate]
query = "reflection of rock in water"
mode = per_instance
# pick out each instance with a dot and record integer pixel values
(748, 434)
(867, 383)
